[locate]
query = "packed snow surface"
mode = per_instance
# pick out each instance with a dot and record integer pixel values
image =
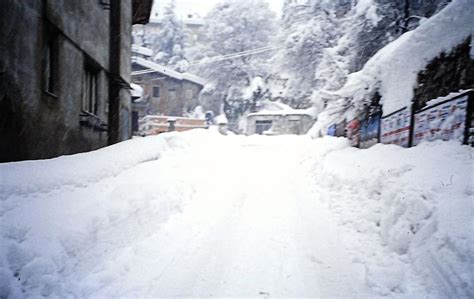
(200, 214)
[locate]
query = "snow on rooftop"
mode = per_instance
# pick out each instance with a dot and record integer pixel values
(187, 21)
(221, 119)
(193, 78)
(155, 67)
(394, 69)
(142, 50)
(290, 111)
(137, 90)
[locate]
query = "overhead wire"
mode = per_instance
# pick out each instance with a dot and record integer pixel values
(219, 58)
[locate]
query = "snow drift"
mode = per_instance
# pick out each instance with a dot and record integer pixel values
(418, 202)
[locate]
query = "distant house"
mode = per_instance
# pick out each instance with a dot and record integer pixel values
(65, 75)
(281, 122)
(154, 124)
(193, 28)
(165, 91)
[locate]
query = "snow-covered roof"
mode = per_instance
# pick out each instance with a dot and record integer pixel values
(221, 119)
(282, 112)
(394, 70)
(196, 21)
(142, 50)
(137, 90)
(193, 78)
(155, 67)
(190, 21)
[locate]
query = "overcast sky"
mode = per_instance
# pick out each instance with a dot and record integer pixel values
(201, 7)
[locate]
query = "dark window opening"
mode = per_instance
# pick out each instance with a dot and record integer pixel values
(135, 122)
(156, 91)
(90, 98)
(51, 65)
(262, 125)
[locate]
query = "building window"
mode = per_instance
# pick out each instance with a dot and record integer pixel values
(156, 91)
(172, 94)
(189, 94)
(51, 61)
(90, 90)
(262, 126)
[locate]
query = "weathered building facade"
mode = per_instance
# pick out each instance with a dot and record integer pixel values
(165, 91)
(64, 75)
(297, 122)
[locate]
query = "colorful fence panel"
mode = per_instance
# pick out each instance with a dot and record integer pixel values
(341, 129)
(353, 132)
(395, 128)
(370, 131)
(444, 121)
(451, 119)
(332, 130)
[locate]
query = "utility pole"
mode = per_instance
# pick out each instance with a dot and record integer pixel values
(114, 70)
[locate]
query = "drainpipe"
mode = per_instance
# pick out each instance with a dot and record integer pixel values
(114, 70)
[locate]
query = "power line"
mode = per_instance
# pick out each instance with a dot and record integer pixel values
(219, 58)
(237, 54)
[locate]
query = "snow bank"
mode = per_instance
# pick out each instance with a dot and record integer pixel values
(81, 169)
(394, 69)
(408, 215)
(63, 217)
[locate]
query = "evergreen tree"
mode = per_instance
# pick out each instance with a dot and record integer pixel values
(168, 44)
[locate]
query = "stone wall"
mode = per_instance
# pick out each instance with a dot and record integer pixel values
(447, 73)
(297, 124)
(35, 124)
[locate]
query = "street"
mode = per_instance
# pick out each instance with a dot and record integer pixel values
(199, 214)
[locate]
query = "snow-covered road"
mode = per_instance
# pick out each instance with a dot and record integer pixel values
(251, 227)
(199, 214)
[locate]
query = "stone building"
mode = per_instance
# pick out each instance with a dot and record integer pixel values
(165, 91)
(64, 75)
(297, 122)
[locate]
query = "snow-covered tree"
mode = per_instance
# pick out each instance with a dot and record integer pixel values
(234, 26)
(168, 44)
(309, 27)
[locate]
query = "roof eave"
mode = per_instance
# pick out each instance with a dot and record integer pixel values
(141, 11)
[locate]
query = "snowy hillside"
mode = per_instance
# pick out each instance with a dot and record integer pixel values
(393, 71)
(173, 215)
